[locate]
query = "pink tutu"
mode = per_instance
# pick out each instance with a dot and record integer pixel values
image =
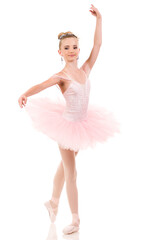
(47, 117)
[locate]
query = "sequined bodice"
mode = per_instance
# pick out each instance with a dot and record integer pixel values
(77, 99)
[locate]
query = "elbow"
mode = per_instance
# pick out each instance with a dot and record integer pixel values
(98, 44)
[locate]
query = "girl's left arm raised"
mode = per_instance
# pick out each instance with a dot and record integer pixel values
(87, 66)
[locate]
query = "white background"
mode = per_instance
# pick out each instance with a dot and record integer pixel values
(118, 181)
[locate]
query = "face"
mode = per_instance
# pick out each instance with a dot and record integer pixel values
(69, 49)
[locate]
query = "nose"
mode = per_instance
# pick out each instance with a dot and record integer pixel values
(72, 53)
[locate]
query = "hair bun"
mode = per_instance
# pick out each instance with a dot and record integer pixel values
(64, 33)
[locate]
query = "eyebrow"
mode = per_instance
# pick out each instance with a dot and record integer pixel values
(68, 45)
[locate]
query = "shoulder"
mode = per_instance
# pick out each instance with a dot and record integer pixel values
(57, 75)
(62, 78)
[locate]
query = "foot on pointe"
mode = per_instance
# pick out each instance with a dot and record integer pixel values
(52, 207)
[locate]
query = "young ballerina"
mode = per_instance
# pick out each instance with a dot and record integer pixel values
(75, 125)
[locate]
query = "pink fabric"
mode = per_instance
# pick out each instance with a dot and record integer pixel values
(75, 125)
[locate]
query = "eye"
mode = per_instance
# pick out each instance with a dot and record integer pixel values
(66, 48)
(75, 47)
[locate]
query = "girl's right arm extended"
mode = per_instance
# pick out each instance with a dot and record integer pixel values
(37, 88)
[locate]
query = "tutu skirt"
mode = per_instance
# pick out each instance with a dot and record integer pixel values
(47, 117)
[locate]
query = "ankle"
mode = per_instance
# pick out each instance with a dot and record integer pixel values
(54, 204)
(75, 219)
(55, 200)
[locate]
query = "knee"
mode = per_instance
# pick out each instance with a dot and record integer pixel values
(71, 176)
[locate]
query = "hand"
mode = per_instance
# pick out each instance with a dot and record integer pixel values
(22, 101)
(95, 11)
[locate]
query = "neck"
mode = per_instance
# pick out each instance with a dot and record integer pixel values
(71, 65)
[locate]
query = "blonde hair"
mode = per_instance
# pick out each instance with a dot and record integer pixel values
(64, 35)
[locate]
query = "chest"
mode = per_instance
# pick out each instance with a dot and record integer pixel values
(73, 87)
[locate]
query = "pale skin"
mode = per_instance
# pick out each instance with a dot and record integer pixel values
(66, 170)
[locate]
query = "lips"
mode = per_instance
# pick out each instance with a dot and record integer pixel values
(71, 55)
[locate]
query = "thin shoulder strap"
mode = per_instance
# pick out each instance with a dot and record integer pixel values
(85, 74)
(67, 75)
(72, 79)
(63, 77)
(59, 77)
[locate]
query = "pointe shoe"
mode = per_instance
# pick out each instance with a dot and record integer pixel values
(74, 226)
(50, 211)
(70, 229)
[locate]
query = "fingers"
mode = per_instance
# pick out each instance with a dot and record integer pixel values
(22, 101)
(92, 9)
(25, 100)
(92, 6)
(95, 11)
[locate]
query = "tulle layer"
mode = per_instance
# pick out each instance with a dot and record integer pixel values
(98, 126)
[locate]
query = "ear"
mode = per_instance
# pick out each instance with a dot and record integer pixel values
(59, 52)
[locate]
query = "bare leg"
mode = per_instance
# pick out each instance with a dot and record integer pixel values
(58, 184)
(70, 174)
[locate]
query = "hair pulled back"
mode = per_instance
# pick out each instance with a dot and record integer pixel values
(64, 35)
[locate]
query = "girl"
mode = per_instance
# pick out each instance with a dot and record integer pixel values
(75, 125)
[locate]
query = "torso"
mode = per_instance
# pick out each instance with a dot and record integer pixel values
(79, 76)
